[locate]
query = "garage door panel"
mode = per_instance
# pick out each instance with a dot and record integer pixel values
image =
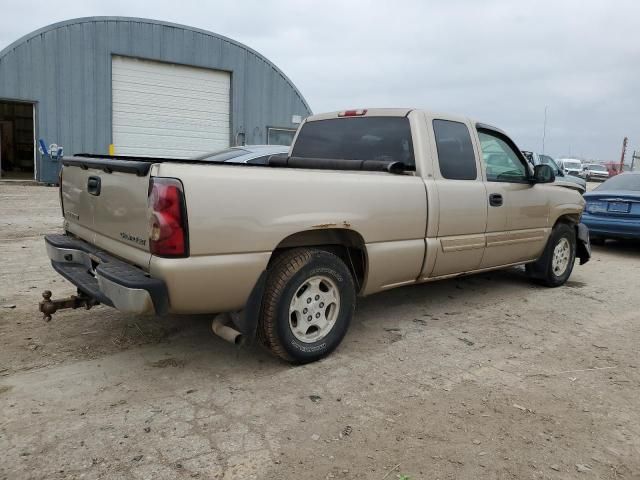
(124, 109)
(151, 136)
(167, 151)
(182, 116)
(162, 109)
(170, 102)
(124, 94)
(134, 82)
(178, 124)
(149, 67)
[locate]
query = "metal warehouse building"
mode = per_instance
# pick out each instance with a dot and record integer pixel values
(136, 87)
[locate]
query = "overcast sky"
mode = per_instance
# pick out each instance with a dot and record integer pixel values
(498, 61)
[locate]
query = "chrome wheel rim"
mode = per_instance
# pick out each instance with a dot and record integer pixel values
(561, 256)
(314, 309)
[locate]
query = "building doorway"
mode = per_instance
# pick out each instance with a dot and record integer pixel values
(17, 140)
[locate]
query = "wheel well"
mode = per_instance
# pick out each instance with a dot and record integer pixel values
(569, 219)
(347, 245)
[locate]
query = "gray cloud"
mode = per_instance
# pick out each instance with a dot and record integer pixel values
(495, 60)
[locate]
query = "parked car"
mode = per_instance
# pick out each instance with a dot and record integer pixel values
(594, 171)
(571, 166)
(362, 204)
(614, 168)
(613, 209)
(252, 154)
(562, 179)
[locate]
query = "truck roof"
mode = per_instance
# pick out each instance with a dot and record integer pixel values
(393, 112)
(367, 112)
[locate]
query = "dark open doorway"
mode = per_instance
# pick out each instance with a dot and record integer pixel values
(17, 140)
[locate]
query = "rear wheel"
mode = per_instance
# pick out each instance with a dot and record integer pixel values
(555, 265)
(308, 304)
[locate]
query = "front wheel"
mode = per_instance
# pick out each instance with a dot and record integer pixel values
(307, 306)
(555, 265)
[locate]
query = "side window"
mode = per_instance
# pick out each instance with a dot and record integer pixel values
(455, 151)
(280, 136)
(503, 164)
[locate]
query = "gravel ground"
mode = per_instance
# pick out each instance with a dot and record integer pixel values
(483, 377)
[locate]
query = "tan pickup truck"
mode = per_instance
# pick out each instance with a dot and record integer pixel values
(366, 200)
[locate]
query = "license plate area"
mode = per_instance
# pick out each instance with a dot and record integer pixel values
(619, 207)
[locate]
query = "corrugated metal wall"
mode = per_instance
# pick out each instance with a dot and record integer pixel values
(66, 70)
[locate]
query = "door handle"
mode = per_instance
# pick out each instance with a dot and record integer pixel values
(93, 186)
(495, 200)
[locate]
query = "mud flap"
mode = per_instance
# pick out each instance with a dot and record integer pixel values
(583, 245)
(247, 321)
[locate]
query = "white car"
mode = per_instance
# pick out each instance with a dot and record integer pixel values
(252, 154)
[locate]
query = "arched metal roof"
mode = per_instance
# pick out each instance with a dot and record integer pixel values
(75, 21)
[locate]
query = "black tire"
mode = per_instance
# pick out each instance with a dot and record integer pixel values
(543, 269)
(286, 277)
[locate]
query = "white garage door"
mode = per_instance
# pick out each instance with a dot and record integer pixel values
(161, 109)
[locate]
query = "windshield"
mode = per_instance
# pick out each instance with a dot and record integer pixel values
(363, 138)
(572, 164)
(222, 155)
(624, 181)
(596, 167)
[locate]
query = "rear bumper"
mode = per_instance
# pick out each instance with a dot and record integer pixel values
(106, 278)
(612, 227)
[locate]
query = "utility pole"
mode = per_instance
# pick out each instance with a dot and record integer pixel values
(624, 151)
(636, 156)
(544, 128)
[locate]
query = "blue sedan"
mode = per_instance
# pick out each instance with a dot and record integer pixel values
(613, 209)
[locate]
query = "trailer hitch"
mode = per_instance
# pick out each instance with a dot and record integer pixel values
(48, 307)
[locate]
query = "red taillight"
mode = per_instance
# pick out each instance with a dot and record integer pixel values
(168, 222)
(353, 113)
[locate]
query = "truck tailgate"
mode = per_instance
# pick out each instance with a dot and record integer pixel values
(105, 203)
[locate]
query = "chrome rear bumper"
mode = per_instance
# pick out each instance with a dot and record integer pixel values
(106, 278)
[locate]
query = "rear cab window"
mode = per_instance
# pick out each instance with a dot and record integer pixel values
(456, 157)
(356, 138)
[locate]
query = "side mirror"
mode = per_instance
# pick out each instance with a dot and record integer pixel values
(543, 174)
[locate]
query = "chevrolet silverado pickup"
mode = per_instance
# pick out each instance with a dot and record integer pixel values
(365, 201)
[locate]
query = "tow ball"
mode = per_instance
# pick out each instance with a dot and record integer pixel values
(48, 307)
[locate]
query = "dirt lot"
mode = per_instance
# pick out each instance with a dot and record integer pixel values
(484, 377)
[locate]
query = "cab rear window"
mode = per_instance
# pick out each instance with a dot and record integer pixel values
(361, 138)
(455, 151)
